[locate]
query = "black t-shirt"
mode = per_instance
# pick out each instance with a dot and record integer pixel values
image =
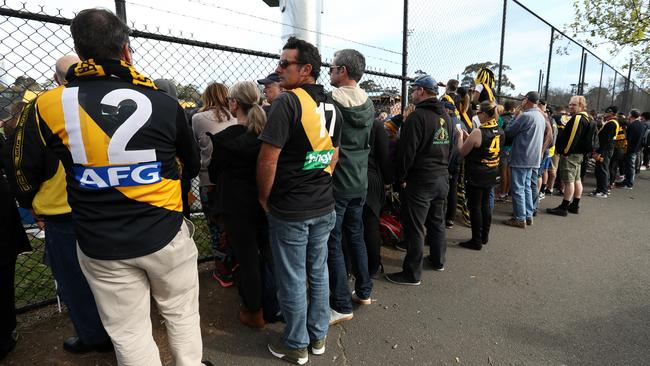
(306, 124)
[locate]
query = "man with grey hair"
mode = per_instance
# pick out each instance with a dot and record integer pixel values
(350, 185)
(425, 145)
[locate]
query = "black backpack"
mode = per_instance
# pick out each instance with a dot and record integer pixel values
(589, 139)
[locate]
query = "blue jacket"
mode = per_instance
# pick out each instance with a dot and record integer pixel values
(527, 135)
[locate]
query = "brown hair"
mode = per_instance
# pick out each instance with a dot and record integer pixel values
(215, 97)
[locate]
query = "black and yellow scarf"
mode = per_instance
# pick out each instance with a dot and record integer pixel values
(92, 68)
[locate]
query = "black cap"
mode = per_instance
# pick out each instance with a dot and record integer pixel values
(611, 109)
(532, 96)
(272, 78)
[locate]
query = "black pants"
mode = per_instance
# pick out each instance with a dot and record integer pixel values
(602, 171)
(583, 166)
(452, 196)
(249, 239)
(7, 301)
(646, 155)
(616, 166)
(478, 201)
(372, 239)
(423, 208)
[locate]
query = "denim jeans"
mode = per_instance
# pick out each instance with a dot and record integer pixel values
(73, 289)
(630, 167)
(423, 211)
(300, 256)
(349, 220)
(522, 195)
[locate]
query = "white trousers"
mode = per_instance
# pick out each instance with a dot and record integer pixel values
(123, 288)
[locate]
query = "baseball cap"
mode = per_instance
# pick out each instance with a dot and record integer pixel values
(270, 79)
(426, 82)
(532, 96)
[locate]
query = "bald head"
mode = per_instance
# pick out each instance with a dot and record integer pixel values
(62, 66)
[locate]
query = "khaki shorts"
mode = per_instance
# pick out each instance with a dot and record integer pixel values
(570, 168)
(555, 161)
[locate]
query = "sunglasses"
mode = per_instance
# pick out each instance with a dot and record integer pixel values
(286, 63)
(334, 67)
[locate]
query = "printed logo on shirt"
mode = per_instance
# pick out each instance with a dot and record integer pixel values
(117, 176)
(318, 159)
(441, 135)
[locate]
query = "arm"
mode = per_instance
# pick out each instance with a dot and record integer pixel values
(473, 141)
(335, 159)
(410, 137)
(267, 163)
(548, 135)
(187, 149)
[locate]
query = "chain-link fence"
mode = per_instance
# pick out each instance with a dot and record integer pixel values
(32, 40)
(450, 40)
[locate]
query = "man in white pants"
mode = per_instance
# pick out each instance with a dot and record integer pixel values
(124, 146)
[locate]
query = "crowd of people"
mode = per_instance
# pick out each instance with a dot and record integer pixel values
(293, 188)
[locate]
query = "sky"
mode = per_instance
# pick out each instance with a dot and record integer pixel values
(445, 36)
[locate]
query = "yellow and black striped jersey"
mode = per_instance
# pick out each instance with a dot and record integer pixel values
(123, 145)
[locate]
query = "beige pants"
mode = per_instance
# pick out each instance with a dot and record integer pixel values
(122, 289)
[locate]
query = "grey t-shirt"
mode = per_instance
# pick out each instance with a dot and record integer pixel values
(527, 134)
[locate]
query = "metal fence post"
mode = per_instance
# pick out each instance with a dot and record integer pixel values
(405, 54)
(600, 85)
(503, 36)
(614, 86)
(120, 10)
(582, 71)
(548, 67)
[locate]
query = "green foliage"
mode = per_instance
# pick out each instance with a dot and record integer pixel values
(624, 24)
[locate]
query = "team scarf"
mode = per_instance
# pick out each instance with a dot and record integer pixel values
(490, 124)
(92, 68)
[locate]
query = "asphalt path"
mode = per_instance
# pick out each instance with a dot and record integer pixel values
(565, 291)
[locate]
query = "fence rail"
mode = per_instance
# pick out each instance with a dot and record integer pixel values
(31, 42)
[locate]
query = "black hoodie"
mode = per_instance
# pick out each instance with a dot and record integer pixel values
(426, 139)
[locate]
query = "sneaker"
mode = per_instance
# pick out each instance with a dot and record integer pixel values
(515, 223)
(435, 266)
(317, 347)
(573, 209)
(224, 280)
(401, 246)
(336, 317)
(298, 356)
(449, 224)
(470, 245)
(402, 278)
(375, 275)
(600, 195)
(559, 211)
(548, 192)
(359, 300)
(542, 195)
(529, 221)
(643, 167)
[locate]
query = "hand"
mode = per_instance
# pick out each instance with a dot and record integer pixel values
(403, 185)
(465, 135)
(265, 204)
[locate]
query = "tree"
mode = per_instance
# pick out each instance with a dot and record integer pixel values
(27, 82)
(370, 86)
(471, 70)
(189, 92)
(624, 24)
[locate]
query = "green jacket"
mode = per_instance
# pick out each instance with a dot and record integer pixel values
(351, 173)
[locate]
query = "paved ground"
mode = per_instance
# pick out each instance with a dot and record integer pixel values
(566, 291)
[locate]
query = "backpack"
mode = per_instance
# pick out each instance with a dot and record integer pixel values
(589, 139)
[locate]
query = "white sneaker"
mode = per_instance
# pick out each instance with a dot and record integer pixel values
(601, 195)
(336, 317)
(643, 167)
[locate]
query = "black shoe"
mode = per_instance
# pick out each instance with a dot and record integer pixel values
(376, 274)
(449, 224)
(76, 345)
(402, 278)
(559, 211)
(401, 246)
(435, 266)
(534, 213)
(470, 244)
(573, 209)
(206, 363)
(485, 237)
(8, 345)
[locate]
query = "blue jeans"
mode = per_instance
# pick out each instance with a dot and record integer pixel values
(630, 167)
(522, 195)
(349, 219)
(300, 256)
(61, 248)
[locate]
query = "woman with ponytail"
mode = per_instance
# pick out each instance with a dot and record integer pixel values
(233, 163)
